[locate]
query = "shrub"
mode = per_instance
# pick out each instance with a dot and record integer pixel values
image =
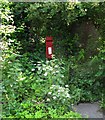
(87, 77)
(27, 87)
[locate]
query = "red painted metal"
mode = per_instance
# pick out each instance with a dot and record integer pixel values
(49, 47)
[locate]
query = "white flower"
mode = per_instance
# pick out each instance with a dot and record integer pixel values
(39, 68)
(57, 71)
(1, 58)
(59, 91)
(21, 79)
(11, 85)
(44, 68)
(50, 68)
(62, 76)
(49, 93)
(33, 70)
(56, 66)
(85, 9)
(45, 74)
(53, 72)
(66, 86)
(54, 97)
(53, 85)
(48, 99)
(47, 62)
(68, 95)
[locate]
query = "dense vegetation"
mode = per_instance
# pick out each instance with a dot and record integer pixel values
(34, 87)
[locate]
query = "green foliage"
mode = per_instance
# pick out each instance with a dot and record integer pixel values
(88, 77)
(42, 19)
(102, 102)
(71, 115)
(59, 96)
(34, 87)
(30, 90)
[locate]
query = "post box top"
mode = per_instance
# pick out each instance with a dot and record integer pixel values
(49, 38)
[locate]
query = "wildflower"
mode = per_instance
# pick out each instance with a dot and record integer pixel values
(54, 97)
(59, 91)
(56, 66)
(53, 85)
(33, 70)
(50, 68)
(57, 71)
(48, 99)
(66, 86)
(68, 95)
(21, 79)
(49, 93)
(85, 9)
(62, 76)
(45, 74)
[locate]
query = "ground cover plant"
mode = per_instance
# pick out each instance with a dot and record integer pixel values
(34, 87)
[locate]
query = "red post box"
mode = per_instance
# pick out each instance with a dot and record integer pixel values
(49, 47)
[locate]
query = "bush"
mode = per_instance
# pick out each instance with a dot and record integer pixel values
(37, 88)
(31, 89)
(87, 77)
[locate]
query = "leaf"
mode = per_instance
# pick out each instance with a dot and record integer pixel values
(99, 73)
